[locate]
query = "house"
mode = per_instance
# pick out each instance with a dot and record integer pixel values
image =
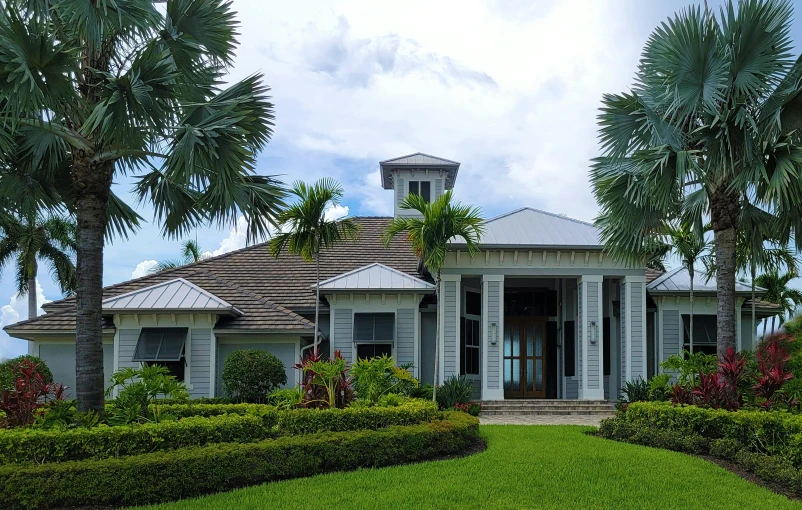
(539, 312)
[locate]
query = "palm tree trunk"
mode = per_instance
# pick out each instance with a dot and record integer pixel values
(92, 183)
(436, 339)
(317, 302)
(690, 344)
(32, 305)
(724, 212)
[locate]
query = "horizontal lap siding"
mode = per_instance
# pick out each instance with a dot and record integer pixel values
(493, 316)
(593, 350)
(449, 328)
(128, 339)
(581, 323)
(638, 331)
(671, 341)
(624, 327)
(405, 336)
(343, 332)
(200, 361)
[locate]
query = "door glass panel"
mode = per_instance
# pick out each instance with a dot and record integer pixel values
(538, 375)
(529, 339)
(507, 375)
(529, 375)
(507, 341)
(539, 340)
(516, 341)
(516, 374)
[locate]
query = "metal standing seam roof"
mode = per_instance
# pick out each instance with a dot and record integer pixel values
(533, 227)
(375, 277)
(177, 294)
(418, 160)
(677, 280)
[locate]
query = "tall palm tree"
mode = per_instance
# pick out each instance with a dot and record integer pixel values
(687, 245)
(778, 292)
(92, 91)
(306, 231)
(33, 239)
(429, 232)
(710, 124)
(190, 253)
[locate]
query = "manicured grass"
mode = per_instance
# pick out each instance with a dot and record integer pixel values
(523, 467)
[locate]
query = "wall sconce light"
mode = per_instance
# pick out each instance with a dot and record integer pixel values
(593, 332)
(493, 333)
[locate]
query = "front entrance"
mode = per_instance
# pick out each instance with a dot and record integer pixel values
(525, 357)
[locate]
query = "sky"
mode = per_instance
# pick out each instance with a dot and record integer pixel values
(509, 88)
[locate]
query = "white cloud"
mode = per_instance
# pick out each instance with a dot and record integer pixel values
(335, 212)
(17, 310)
(237, 238)
(143, 268)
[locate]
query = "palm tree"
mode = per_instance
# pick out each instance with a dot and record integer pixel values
(709, 126)
(190, 253)
(32, 240)
(429, 233)
(306, 231)
(92, 91)
(778, 292)
(688, 246)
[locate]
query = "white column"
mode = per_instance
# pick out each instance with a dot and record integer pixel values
(492, 337)
(449, 325)
(592, 338)
(634, 298)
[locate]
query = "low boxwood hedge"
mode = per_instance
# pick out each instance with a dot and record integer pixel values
(768, 444)
(166, 476)
(308, 421)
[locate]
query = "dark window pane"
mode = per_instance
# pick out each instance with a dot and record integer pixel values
(374, 327)
(704, 330)
(414, 187)
(569, 343)
(363, 326)
(367, 351)
(176, 368)
(426, 191)
(473, 303)
(463, 333)
(160, 344)
(385, 326)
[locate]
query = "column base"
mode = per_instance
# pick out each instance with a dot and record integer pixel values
(496, 394)
(596, 394)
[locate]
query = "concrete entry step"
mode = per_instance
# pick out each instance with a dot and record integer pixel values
(561, 412)
(545, 407)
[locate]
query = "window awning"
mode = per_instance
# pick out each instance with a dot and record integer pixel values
(160, 344)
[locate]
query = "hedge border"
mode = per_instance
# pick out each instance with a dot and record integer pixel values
(167, 476)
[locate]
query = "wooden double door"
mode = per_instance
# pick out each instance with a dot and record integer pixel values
(526, 355)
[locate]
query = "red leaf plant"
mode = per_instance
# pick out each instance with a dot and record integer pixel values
(772, 356)
(710, 391)
(30, 393)
(315, 395)
(732, 372)
(681, 395)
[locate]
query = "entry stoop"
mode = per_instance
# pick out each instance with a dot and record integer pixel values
(542, 407)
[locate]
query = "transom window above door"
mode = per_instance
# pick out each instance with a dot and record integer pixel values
(422, 188)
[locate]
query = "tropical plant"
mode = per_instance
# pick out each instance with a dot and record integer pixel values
(326, 382)
(687, 245)
(11, 369)
(375, 377)
(688, 366)
(190, 253)
(454, 391)
(636, 390)
(772, 359)
(429, 232)
(778, 292)
(659, 387)
(32, 239)
(286, 398)
(306, 229)
(139, 392)
(20, 404)
(250, 374)
(92, 91)
(709, 126)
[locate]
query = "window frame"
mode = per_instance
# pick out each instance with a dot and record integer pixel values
(374, 340)
(357, 345)
(181, 360)
(712, 346)
(427, 196)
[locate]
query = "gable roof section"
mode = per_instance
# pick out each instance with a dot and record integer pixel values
(533, 227)
(677, 281)
(375, 277)
(254, 281)
(178, 295)
(415, 161)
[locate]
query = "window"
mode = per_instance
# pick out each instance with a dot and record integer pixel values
(162, 346)
(469, 346)
(422, 188)
(473, 303)
(570, 348)
(367, 351)
(704, 333)
(374, 334)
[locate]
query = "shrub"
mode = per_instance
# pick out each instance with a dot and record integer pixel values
(772, 357)
(636, 391)
(166, 476)
(287, 398)
(376, 377)
(325, 382)
(250, 374)
(455, 390)
(30, 393)
(140, 392)
(472, 408)
(10, 370)
(659, 388)
(423, 391)
(688, 366)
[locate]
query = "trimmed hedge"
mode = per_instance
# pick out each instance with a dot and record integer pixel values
(768, 444)
(194, 409)
(309, 421)
(167, 476)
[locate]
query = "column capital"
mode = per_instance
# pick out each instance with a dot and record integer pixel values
(591, 278)
(450, 277)
(493, 278)
(635, 279)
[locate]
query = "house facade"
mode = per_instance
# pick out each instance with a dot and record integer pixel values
(539, 312)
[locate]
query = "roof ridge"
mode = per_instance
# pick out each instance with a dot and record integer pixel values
(540, 211)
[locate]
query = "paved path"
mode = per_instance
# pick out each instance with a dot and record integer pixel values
(552, 419)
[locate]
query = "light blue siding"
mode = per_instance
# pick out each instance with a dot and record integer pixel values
(405, 336)
(493, 316)
(344, 332)
(624, 320)
(450, 318)
(199, 362)
(638, 330)
(127, 339)
(60, 359)
(594, 299)
(671, 341)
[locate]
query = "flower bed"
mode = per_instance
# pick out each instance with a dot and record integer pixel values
(166, 476)
(768, 444)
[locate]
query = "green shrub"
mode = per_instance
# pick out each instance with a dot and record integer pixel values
(286, 398)
(423, 391)
(140, 391)
(375, 377)
(455, 390)
(250, 374)
(9, 370)
(308, 421)
(688, 366)
(636, 391)
(54, 445)
(166, 476)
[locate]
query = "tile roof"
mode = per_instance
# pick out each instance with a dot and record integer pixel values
(375, 277)
(254, 281)
(653, 274)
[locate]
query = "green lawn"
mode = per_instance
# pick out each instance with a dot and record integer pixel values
(523, 467)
